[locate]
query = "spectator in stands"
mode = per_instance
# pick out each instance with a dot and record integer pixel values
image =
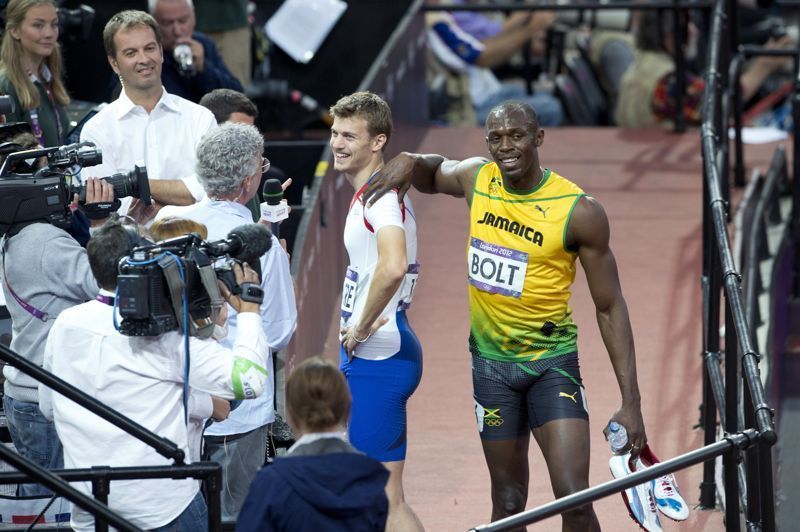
(45, 272)
(143, 379)
(30, 71)
(464, 55)
(323, 483)
(505, 37)
(648, 87)
(208, 71)
(146, 122)
(229, 164)
(226, 23)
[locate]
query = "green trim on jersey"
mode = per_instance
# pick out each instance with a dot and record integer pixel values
(566, 225)
(531, 190)
(475, 182)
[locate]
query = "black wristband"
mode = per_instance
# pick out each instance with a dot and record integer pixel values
(250, 292)
(98, 211)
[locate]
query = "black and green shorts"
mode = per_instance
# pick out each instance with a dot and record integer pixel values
(512, 398)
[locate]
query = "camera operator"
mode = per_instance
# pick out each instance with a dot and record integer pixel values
(146, 122)
(229, 165)
(142, 377)
(45, 270)
(192, 64)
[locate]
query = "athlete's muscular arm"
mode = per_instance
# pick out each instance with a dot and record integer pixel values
(589, 232)
(428, 173)
(390, 270)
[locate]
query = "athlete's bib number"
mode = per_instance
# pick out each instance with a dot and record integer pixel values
(409, 284)
(496, 269)
(349, 293)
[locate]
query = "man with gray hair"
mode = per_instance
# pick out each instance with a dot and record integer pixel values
(229, 165)
(193, 65)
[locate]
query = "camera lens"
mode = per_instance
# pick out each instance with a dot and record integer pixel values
(124, 185)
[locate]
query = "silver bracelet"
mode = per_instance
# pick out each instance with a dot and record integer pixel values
(355, 338)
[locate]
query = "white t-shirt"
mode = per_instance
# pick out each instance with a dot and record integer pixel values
(360, 230)
(165, 139)
(141, 377)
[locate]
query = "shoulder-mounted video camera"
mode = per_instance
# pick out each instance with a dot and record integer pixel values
(34, 192)
(172, 284)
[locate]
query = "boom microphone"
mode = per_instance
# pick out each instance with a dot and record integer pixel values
(245, 243)
(278, 90)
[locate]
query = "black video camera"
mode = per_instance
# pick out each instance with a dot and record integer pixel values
(172, 284)
(29, 194)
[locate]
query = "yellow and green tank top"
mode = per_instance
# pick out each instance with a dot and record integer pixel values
(520, 270)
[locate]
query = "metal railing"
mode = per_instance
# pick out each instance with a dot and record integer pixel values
(746, 450)
(100, 477)
(679, 7)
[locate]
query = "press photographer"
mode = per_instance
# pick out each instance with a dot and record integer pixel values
(193, 65)
(45, 271)
(144, 378)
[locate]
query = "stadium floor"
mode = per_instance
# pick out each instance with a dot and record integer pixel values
(650, 185)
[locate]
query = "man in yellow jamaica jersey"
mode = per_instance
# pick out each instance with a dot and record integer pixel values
(528, 225)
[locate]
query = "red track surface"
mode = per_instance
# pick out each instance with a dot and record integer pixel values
(650, 185)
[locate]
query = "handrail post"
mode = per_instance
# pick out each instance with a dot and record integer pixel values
(766, 487)
(679, 30)
(712, 284)
(734, 77)
(213, 484)
(100, 490)
(752, 472)
(730, 460)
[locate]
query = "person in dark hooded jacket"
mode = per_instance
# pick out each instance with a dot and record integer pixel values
(323, 483)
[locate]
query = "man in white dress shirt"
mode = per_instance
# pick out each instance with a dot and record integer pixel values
(142, 377)
(146, 123)
(229, 165)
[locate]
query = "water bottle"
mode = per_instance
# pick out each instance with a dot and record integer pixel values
(617, 437)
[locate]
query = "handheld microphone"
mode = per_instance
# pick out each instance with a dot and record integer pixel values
(275, 208)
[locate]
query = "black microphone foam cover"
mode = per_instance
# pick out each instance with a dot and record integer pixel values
(272, 191)
(249, 242)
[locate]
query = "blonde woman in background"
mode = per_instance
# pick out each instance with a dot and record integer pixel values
(31, 70)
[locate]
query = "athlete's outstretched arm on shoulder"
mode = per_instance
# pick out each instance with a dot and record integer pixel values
(428, 173)
(589, 232)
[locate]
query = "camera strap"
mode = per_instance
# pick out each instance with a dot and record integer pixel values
(33, 311)
(176, 285)
(169, 265)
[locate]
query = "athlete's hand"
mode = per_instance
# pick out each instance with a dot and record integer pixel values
(630, 417)
(396, 174)
(348, 335)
